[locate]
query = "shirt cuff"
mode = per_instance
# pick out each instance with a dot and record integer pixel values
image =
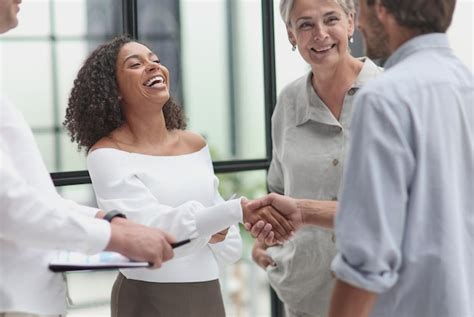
(218, 247)
(98, 236)
(373, 282)
(219, 217)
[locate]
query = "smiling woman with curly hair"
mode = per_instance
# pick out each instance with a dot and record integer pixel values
(144, 164)
(95, 104)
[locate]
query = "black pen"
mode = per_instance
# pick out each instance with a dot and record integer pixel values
(180, 243)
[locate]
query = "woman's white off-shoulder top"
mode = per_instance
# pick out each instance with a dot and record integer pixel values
(177, 194)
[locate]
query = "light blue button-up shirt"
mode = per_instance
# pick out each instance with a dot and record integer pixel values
(405, 225)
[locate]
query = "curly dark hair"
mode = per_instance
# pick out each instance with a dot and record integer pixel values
(94, 108)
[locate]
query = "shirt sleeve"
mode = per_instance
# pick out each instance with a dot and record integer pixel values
(117, 188)
(229, 250)
(275, 179)
(371, 217)
(275, 175)
(36, 219)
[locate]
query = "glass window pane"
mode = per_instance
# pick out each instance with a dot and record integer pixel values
(70, 57)
(70, 17)
(94, 19)
(104, 18)
(26, 79)
(82, 194)
(71, 159)
(34, 20)
(47, 146)
(220, 83)
(247, 39)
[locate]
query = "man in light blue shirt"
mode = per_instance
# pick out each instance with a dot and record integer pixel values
(405, 224)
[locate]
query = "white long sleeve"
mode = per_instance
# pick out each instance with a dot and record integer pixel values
(32, 212)
(40, 219)
(177, 194)
(228, 251)
(34, 221)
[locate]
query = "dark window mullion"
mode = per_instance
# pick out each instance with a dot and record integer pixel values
(129, 13)
(82, 177)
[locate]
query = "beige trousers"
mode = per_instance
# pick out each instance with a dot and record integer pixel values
(132, 298)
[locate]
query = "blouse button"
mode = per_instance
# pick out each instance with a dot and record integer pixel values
(352, 91)
(335, 162)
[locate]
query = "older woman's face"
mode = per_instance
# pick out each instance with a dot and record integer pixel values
(320, 29)
(140, 76)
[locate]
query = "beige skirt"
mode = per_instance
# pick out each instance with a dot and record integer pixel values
(132, 298)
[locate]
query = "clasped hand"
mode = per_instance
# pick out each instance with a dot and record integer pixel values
(271, 219)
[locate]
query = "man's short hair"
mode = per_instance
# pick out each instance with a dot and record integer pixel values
(425, 16)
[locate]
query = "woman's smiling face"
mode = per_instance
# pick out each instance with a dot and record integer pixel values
(320, 29)
(141, 76)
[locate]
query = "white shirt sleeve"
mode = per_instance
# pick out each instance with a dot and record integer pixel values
(229, 250)
(36, 219)
(370, 221)
(117, 188)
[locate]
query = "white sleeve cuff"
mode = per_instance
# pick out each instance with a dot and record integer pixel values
(218, 247)
(98, 235)
(219, 217)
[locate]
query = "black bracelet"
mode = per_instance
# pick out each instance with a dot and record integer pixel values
(112, 214)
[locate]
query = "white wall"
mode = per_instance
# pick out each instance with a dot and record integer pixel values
(461, 32)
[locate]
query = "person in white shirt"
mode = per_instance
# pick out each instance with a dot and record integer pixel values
(35, 221)
(144, 163)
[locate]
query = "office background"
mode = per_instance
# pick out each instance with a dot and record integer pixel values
(227, 64)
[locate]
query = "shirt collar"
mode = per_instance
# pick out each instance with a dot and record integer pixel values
(415, 44)
(311, 107)
(369, 70)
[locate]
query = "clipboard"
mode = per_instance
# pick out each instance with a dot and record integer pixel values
(76, 261)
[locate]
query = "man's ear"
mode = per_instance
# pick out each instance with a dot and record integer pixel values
(380, 11)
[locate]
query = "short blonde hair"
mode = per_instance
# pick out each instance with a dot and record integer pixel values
(287, 5)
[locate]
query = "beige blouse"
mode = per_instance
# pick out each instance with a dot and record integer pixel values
(309, 147)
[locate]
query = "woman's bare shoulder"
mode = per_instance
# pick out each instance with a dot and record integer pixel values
(105, 142)
(192, 140)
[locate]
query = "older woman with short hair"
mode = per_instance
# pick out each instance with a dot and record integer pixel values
(310, 130)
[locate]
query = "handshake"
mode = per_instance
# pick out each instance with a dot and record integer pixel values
(272, 219)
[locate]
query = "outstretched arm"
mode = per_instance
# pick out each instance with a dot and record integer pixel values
(297, 211)
(350, 301)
